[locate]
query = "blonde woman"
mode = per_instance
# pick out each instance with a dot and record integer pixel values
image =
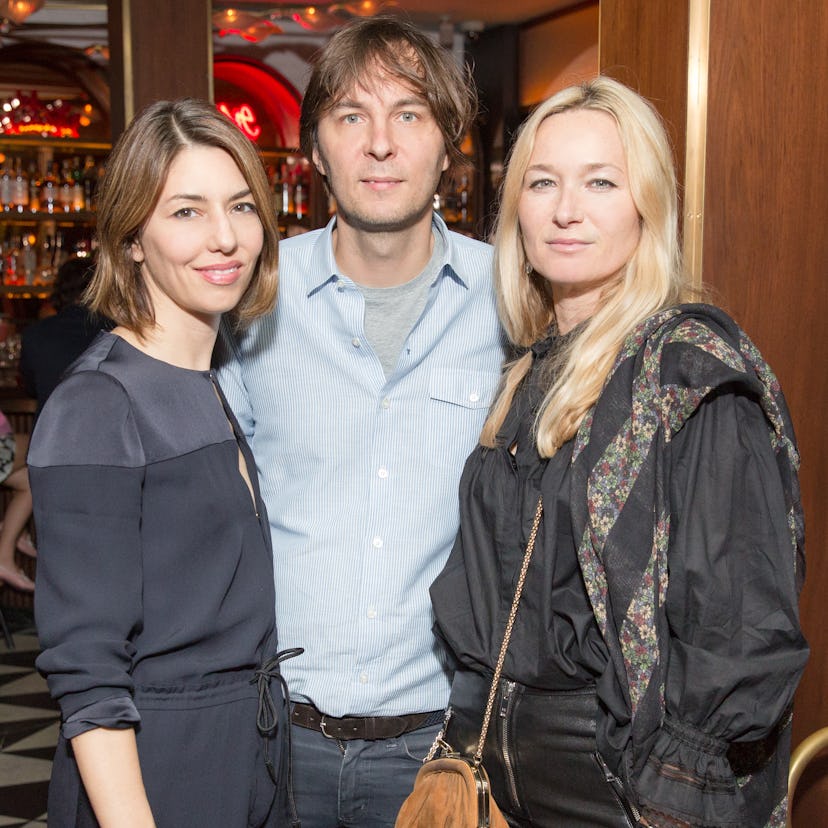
(657, 645)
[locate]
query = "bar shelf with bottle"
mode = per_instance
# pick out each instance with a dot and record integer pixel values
(301, 203)
(456, 203)
(47, 197)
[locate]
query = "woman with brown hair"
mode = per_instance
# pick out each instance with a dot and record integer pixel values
(155, 583)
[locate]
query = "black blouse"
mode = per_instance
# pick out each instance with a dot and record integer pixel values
(556, 644)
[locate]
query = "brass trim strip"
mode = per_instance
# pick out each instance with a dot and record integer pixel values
(211, 87)
(697, 73)
(129, 76)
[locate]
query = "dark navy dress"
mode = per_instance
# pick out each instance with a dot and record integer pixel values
(155, 600)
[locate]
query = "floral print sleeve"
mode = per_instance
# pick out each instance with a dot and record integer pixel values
(735, 647)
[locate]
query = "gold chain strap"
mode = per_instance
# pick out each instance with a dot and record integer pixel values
(530, 546)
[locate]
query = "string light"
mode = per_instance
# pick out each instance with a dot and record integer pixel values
(323, 16)
(14, 12)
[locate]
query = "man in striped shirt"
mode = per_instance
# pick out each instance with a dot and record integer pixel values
(362, 395)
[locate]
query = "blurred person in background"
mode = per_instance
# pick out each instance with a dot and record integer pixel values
(50, 345)
(14, 475)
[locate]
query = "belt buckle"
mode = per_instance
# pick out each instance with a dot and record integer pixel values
(322, 727)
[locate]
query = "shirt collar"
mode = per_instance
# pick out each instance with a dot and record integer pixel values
(323, 264)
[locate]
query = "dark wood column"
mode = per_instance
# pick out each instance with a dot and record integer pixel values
(158, 50)
(493, 56)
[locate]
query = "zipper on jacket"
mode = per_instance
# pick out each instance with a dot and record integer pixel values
(506, 705)
(617, 787)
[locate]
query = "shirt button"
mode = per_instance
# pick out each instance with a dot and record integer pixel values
(386, 403)
(340, 288)
(474, 397)
(377, 542)
(355, 342)
(383, 473)
(363, 678)
(372, 613)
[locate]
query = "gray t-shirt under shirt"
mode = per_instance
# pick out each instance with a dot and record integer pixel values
(391, 312)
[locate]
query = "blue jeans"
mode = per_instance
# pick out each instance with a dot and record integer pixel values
(358, 783)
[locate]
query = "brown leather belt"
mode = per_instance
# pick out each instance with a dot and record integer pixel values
(366, 727)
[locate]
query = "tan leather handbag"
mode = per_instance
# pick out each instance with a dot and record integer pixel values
(452, 790)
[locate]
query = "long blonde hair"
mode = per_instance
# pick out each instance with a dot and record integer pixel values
(653, 278)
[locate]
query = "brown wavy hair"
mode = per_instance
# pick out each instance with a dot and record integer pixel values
(386, 44)
(136, 172)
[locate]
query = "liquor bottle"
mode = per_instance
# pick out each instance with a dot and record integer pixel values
(3, 247)
(34, 188)
(44, 261)
(300, 198)
(49, 187)
(58, 252)
(78, 201)
(83, 247)
(285, 198)
(275, 179)
(66, 186)
(464, 212)
(100, 169)
(448, 202)
(10, 261)
(89, 182)
(20, 187)
(5, 185)
(28, 259)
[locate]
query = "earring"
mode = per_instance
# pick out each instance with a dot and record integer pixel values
(527, 268)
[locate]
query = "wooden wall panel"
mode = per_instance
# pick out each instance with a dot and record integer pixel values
(557, 51)
(766, 253)
(643, 43)
(158, 50)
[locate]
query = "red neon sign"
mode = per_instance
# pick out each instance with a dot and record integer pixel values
(48, 130)
(244, 118)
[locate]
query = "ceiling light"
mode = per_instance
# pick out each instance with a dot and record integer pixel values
(14, 12)
(320, 16)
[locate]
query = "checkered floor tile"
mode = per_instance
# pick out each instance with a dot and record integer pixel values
(28, 733)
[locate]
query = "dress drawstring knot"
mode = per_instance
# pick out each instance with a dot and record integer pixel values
(267, 714)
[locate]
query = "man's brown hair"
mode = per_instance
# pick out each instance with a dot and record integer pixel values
(361, 50)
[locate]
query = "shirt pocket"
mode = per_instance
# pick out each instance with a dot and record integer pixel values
(467, 389)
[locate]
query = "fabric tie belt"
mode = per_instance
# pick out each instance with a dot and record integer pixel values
(267, 715)
(367, 727)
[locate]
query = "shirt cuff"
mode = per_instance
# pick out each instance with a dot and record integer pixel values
(118, 713)
(688, 780)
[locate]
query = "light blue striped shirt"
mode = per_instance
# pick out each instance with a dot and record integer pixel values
(360, 474)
